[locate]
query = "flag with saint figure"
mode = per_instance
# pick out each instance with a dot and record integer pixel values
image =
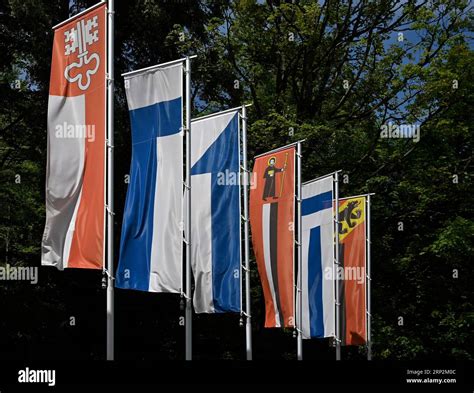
(318, 241)
(215, 213)
(352, 259)
(152, 238)
(272, 220)
(74, 232)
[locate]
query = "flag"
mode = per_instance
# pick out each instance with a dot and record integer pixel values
(215, 213)
(272, 220)
(352, 257)
(151, 240)
(317, 287)
(75, 175)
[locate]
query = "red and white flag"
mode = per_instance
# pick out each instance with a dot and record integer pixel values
(75, 174)
(272, 218)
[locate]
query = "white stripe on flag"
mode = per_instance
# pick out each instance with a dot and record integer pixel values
(70, 233)
(327, 260)
(201, 234)
(165, 273)
(63, 182)
(143, 91)
(317, 187)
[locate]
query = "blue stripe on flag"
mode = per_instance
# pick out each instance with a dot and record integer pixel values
(137, 230)
(316, 203)
(225, 246)
(315, 284)
(161, 119)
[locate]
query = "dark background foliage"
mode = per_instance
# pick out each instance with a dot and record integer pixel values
(291, 59)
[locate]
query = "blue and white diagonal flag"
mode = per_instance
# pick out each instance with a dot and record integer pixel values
(317, 256)
(215, 213)
(151, 242)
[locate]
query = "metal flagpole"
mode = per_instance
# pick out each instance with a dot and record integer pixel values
(188, 313)
(368, 287)
(110, 180)
(246, 178)
(336, 272)
(299, 340)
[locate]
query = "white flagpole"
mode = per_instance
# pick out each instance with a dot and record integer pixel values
(299, 340)
(110, 180)
(368, 286)
(246, 178)
(336, 272)
(188, 312)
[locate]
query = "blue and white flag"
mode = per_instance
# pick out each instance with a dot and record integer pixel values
(318, 316)
(215, 213)
(151, 242)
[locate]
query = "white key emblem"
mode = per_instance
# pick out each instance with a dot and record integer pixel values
(78, 39)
